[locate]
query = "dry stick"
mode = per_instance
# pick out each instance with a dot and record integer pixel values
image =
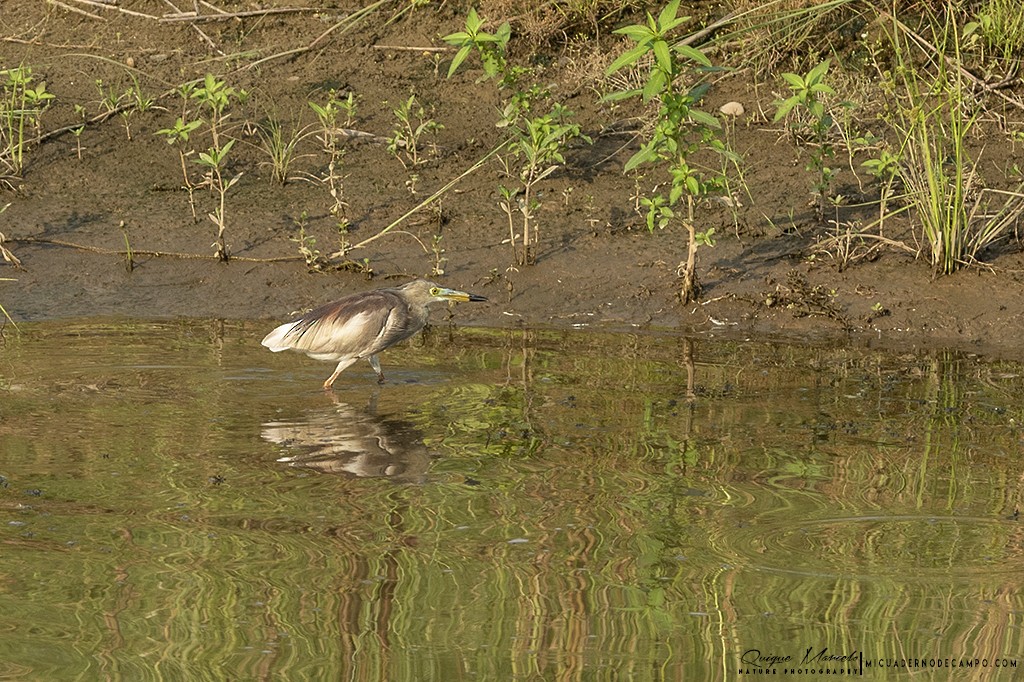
(159, 254)
(350, 19)
(710, 28)
(207, 39)
(99, 118)
(426, 202)
(169, 18)
(409, 48)
(106, 5)
(207, 5)
(69, 8)
(68, 46)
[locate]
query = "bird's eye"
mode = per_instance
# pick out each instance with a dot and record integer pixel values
(434, 291)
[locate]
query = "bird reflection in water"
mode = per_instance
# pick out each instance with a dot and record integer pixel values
(355, 442)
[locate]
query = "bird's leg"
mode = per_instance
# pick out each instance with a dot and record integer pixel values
(337, 370)
(375, 363)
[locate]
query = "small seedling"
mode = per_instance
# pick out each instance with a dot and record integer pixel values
(331, 136)
(215, 96)
(884, 168)
(213, 160)
(407, 137)
(178, 135)
(538, 146)
(490, 46)
(22, 103)
(279, 147)
(307, 244)
(129, 258)
(78, 130)
(808, 91)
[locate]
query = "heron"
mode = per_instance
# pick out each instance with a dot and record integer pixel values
(362, 325)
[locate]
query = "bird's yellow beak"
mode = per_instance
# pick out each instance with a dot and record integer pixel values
(456, 295)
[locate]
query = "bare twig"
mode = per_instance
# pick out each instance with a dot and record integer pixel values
(108, 5)
(410, 48)
(76, 10)
(426, 202)
(169, 18)
(207, 39)
(345, 24)
(157, 254)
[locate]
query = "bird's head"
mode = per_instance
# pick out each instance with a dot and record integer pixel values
(431, 292)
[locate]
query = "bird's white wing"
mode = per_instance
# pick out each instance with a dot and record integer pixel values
(343, 329)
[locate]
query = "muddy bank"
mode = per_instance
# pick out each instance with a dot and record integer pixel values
(597, 265)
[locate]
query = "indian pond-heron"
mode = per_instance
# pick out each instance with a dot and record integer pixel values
(362, 325)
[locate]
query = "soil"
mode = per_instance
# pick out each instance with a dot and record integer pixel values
(597, 264)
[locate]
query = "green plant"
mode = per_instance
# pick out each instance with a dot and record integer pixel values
(331, 136)
(406, 140)
(538, 146)
(439, 258)
(178, 135)
(129, 257)
(213, 160)
(959, 218)
(79, 129)
(1000, 24)
(215, 96)
(125, 103)
(22, 103)
(808, 91)
(884, 168)
(137, 101)
(279, 147)
(307, 244)
(490, 46)
(681, 130)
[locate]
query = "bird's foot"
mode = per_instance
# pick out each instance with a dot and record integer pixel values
(380, 378)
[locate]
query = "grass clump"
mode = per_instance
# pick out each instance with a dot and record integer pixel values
(934, 117)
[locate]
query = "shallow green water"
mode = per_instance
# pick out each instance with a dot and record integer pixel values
(178, 504)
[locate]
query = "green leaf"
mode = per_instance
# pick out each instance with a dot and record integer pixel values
(655, 85)
(504, 33)
(785, 107)
(818, 72)
(795, 82)
(662, 55)
(693, 54)
(627, 58)
(705, 119)
(693, 186)
(638, 33)
(620, 95)
(645, 155)
(668, 15)
(473, 20)
(460, 57)
(459, 38)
